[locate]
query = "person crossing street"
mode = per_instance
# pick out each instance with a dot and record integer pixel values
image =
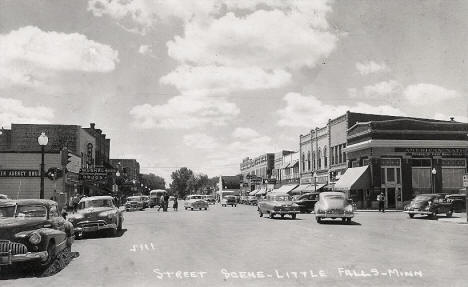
(381, 200)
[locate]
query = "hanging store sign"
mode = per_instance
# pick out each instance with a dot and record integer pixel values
(95, 173)
(433, 151)
(19, 173)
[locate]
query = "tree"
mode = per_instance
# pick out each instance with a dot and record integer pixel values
(180, 179)
(153, 181)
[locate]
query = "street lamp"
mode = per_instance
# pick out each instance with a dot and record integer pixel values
(434, 172)
(42, 140)
(315, 183)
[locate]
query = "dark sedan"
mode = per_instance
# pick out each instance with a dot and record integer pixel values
(306, 202)
(458, 201)
(430, 205)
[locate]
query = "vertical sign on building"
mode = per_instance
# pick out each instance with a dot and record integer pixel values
(90, 154)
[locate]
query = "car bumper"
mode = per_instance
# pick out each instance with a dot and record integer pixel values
(284, 211)
(8, 259)
(425, 212)
(84, 227)
(334, 215)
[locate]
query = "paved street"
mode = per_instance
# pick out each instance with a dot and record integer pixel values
(235, 247)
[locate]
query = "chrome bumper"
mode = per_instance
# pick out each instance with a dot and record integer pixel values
(334, 215)
(8, 258)
(93, 226)
(284, 211)
(418, 212)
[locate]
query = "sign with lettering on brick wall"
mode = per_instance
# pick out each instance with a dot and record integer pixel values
(19, 173)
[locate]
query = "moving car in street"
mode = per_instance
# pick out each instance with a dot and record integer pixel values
(145, 201)
(210, 199)
(333, 205)
(134, 203)
(281, 204)
(195, 201)
(96, 213)
(155, 197)
(229, 200)
(251, 200)
(306, 202)
(430, 205)
(458, 201)
(32, 230)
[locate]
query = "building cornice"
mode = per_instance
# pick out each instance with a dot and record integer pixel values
(407, 143)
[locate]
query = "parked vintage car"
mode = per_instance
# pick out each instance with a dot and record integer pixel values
(195, 201)
(281, 204)
(251, 200)
(333, 205)
(146, 200)
(32, 230)
(134, 203)
(306, 202)
(96, 213)
(155, 197)
(210, 199)
(229, 200)
(458, 201)
(3, 196)
(429, 204)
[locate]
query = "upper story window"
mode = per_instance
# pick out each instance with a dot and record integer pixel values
(325, 157)
(308, 160)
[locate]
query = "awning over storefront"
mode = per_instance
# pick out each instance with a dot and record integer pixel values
(253, 192)
(285, 188)
(296, 162)
(305, 188)
(353, 178)
(285, 165)
(261, 191)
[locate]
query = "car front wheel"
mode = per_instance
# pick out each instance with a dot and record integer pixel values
(319, 220)
(293, 216)
(411, 215)
(51, 254)
(272, 215)
(449, 213)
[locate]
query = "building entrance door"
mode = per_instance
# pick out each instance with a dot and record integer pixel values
(390, 197)
(391, 183)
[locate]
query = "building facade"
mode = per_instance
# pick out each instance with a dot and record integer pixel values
(102, 146)
(20, 159)
(256, 172)
(129, 168)
(406, 157)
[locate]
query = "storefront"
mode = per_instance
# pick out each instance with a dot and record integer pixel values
(407, 157)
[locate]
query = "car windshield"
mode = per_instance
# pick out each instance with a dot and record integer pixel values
(135, 198)
(24, 211)
(196, 197)
(95, 203)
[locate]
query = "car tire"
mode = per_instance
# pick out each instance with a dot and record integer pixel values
(282, 216)
(293, 216)
(260, 214)
(51, 254)
(411, 215)
(191, 208)
(318, 219)
(434, 215)
(449, 213)
(113, 232)
(272, 215)
(348, 220)
(343, 220)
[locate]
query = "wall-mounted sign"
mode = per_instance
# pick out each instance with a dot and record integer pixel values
(433, 151)
(95, 173)
(19, 173)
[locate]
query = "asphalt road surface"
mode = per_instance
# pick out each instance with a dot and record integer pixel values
(233, 246)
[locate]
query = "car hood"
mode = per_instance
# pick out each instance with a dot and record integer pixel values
(91, 211)
(10, 226)
(418, 204)
(283, 203)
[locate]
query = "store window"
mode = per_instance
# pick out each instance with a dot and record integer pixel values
(365, 162)
(340, 159)
(319, 159)
(308, 160)
(421, 175)
(325, 157)
(452, 174)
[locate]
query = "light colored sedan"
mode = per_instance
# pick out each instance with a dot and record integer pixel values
(333, 205)
(195, 202)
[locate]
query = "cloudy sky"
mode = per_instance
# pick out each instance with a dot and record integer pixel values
(205, 83)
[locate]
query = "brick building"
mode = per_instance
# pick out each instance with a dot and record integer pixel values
(129, 168)
(102, 147)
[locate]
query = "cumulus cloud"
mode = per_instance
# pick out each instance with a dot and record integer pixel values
(378, 90)
(204, 80)
(200, 141)
(309, 111)
(371, 67)
(28, 54)
(14, 111)
(185, 112)
(261, 39)
(244, 133)
(428, 94)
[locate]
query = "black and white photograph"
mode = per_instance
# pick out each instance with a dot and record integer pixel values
(233, 143)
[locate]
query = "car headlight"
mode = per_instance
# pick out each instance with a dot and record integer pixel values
(35, 238)
(427, 207)
(349, 208)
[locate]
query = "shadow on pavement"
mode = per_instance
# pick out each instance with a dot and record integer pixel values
(30, 271)
(102, 234)
(339, 222)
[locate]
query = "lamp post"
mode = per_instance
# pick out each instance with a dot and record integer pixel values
(315, 183)
(434, 172)
(42, 140)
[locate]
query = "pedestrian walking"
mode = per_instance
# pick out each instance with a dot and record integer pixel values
(176, 204)
(166, 202)
(381, 200)
(161, 203)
